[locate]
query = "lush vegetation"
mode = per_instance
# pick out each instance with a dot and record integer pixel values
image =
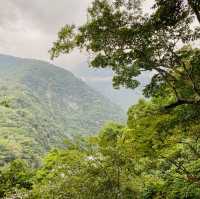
(41, 104)
(157, 153)
(121, 37)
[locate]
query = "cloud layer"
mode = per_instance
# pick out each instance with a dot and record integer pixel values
(28, 28)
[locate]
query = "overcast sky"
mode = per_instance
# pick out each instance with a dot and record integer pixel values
(28, 27)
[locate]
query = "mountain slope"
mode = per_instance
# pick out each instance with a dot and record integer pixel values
(101, 80)
(42, 104)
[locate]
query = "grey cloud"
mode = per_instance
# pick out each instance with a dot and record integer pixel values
(28, 27)
(50, 15)
(8, 14)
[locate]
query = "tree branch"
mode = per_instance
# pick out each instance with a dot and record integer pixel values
(182, 102)
(195, 8)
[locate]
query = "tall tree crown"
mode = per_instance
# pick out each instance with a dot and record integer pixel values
(119, 35)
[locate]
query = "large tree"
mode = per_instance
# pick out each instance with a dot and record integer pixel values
(119, 35)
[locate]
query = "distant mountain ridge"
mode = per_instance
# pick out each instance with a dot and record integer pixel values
(42, 104)
(101, 81)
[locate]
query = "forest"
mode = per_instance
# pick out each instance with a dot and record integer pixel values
(156, 154)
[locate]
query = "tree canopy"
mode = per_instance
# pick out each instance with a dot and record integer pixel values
(119, 35)
(156, 155)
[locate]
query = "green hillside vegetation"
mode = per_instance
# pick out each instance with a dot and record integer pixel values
(156, 154)
(41, 105)
(101, 80)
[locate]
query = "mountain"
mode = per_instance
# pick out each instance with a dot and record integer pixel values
(101, 81)
(41, 105)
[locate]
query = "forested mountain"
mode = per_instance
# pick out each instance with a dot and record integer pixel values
(156, 154)
(101, 80)
(42, 104)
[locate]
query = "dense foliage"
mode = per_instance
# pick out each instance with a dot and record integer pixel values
(157, 153)
(41, 104)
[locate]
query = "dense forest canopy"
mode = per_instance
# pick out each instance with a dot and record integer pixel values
(157, 153)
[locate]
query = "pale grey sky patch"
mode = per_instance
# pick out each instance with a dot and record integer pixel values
(28, 27)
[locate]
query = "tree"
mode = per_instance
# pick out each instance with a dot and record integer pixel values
(99, 171)
(119, 36)
(14, 177)
(169, 144)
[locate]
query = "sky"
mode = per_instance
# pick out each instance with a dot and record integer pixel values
(29, 27)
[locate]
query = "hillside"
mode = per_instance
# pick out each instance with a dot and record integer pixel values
(42, 104)
(123, 97)
(101, 81)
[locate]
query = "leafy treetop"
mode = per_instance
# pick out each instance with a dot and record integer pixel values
(120, 36)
